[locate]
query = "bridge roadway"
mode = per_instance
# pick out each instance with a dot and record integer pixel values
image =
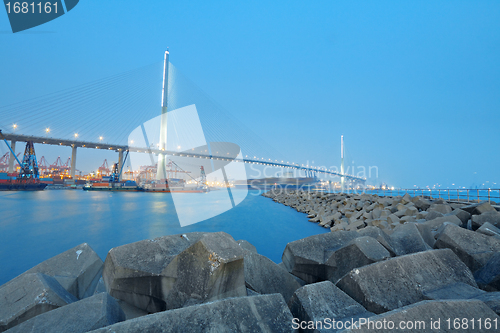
(121, 148)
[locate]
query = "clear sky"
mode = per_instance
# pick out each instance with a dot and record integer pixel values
(414, 87)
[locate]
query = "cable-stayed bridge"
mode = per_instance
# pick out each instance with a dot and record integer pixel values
(102, 114)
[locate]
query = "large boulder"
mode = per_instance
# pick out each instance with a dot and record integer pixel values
(401, 281)
(306, 257)
(492, 217)
(263, 276)
(432, 316)
(209, 270)
(323, 302)
(408, 239)
(473, 248)
(30, 295)
(132, 272)
(488, 277)
(264, 313)
(421, 203)
(78, 270)
(359, 252)
(88, 314)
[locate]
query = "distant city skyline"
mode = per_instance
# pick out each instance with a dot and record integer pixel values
(413, 87)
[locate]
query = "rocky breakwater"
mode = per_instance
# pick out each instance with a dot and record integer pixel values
(208, 282)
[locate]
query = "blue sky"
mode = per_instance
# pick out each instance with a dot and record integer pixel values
(413, 86)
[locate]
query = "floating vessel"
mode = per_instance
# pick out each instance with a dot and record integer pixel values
(28, 177)
(114, 184)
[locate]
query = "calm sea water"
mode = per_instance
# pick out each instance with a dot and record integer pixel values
(35, 226)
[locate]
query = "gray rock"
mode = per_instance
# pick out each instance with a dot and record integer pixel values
(489, 230)
(132, 272)
(426, 233)
(264, 313)
(461, 214)
(492, 217)
(401, 281)
(457, 290)
(265, 277)
(306, 257)
(88, 314)
(492, 300)
(323, 301)
(29, 295)
(420, 315)
(407, 239)
(209, 270)
(245, 245)
(359, 252)
(78, 270)
(130, 311)
(488, 277)
(473, 248)
(478, 208)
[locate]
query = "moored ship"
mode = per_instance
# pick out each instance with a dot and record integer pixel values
(28, 177)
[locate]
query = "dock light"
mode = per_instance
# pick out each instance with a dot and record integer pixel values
(76, 135)
(47, 130)
(14, 126)
(100, 138)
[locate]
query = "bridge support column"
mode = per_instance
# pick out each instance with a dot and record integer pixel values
(73, 161)
(120, 162)
(12, 157)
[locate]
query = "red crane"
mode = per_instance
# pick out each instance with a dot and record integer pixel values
(56, 166)
(104, 168)
(66, 166)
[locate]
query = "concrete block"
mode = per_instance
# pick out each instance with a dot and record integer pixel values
(29, 295)
(461, 214)
(441, 208)
(489, 229)
(78, 270)
(306, 257)
(400, 281)
(434, 224)
(478, 208)
(492, 217)
(132, 272)
(322, 300)
(488, 277)
(82, 316)
(263, 313)
(359, 252)
(265, 277)
(407, 239)
(421, 203)
(383, 238)
(473, 248)
(209, 270)
(432, 214)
